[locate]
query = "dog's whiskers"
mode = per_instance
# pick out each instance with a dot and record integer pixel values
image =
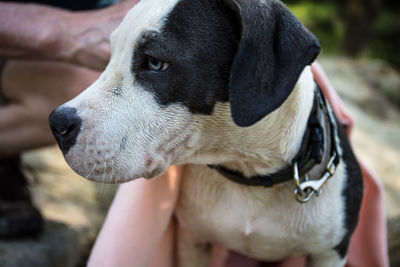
(103, 190)
(90, 172)
(104, 171)
(103, 187)
(108, 184)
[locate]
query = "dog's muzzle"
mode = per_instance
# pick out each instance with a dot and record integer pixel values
(65, 125)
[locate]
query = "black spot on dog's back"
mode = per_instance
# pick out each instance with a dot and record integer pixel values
(352, 192)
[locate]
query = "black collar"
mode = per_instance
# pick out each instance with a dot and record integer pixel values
(310, 154)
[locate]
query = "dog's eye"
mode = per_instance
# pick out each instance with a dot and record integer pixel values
(156, 64)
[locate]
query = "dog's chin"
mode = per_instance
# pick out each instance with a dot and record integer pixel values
(114, 172)
(154, 173)
(121, 177)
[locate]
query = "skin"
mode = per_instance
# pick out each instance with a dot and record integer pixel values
(37, 32)
(33, 89)
(138, 230)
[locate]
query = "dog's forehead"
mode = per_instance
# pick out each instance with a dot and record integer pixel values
(196, 37)
(147, 15)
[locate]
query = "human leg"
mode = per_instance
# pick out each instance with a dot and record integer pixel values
(29, 91)
(32, 90)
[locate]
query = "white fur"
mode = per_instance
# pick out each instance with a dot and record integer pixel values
(267, 224)
(148, 131)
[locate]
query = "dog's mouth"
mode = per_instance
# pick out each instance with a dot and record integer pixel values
(118, 160)
(114, 170)
(101, 163)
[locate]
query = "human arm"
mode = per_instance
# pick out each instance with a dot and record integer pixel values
(32, 31)
(137, 222)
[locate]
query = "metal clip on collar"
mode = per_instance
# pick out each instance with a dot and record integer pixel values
(306, 189)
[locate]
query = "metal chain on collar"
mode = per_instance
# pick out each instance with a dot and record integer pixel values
(306, 189)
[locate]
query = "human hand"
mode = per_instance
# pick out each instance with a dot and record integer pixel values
(83, 38)
(33, 89)
(39, 32)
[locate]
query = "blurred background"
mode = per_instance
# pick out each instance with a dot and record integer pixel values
(360, 41)
(366, 28)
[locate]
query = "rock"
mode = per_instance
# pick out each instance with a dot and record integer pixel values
(74, 210)
(381, 77)
(394, 241)
(368, 84)
(56, 246)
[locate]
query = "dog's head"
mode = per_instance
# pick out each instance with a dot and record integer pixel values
(173, 62)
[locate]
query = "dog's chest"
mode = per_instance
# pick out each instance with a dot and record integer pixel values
(268, 224)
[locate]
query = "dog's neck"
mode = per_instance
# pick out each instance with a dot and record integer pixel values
(264, 147)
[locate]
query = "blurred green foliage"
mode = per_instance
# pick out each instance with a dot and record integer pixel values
(385, 43)
(325, 18)
(321, 19)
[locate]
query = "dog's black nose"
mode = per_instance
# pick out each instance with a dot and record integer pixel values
(65, 125)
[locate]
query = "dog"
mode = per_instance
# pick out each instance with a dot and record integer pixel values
(225, 87)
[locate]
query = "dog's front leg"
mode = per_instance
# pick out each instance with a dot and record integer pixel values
(191, 251)
(329, 258)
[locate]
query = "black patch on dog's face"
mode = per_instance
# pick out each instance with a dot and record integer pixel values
(198, 41)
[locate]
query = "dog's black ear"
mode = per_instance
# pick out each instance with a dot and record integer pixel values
(273, 50)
